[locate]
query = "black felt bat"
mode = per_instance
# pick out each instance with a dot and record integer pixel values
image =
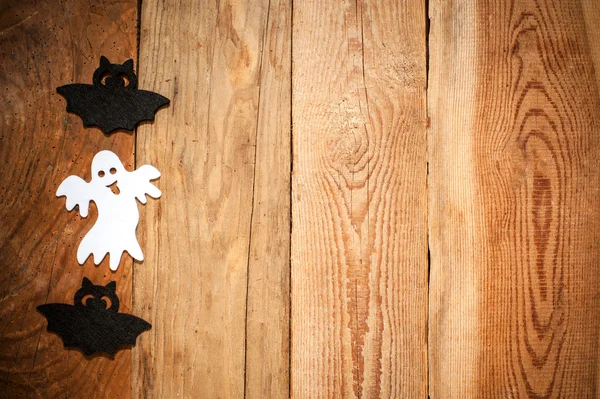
(110, 103)
(92, 327)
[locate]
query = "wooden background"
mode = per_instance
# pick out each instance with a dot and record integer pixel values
(360, 199)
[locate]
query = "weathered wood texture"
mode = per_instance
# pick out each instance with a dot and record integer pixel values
(359, 206)
(44, 45)
(216, 278)
(514, 212)
(268, 301)
(514, 219)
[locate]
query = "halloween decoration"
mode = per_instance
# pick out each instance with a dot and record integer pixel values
(113, 101)
(93, 325)
(118, 215)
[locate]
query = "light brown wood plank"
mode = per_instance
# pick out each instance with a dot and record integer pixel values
(591, 13)
(225, 65)
(44, 45)
(514, 212)
(359, 206)
(268, 302)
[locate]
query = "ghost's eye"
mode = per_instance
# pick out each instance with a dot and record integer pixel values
(101, 173)
(113, 171)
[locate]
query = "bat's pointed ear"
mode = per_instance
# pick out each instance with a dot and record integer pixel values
(104, 61)
(112, 286)
(129, 64)
(86, 282)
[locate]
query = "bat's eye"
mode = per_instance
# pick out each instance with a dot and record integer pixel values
(123, 79)
(114, 81)
(113, 171)
(106, 302)
(104, 77)
(101, 173)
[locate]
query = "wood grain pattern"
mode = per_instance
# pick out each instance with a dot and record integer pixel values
(216, 276)
(268, 298)
(591, 12)
(359, 224)
(514, 221)
(44, 45)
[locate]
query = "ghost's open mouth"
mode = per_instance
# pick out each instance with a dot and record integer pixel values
(114, 188)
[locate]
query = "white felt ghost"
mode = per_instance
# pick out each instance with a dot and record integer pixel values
(118, 215)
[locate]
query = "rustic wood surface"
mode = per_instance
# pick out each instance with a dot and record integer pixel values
(359, 206)
(44, 45)
(215, 281)
(268, 291)
(302, 190)
(514, 227)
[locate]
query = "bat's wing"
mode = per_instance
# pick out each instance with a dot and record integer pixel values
(92, 330)
(77, 192)
(86, 101)
(65, 321)
(111, 109)
(140, 182)
(111, 330)
(148, 103)
(127, 328)
(130, 107)
(125, 108)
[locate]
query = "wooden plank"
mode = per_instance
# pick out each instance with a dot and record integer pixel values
(514, 221)
(225, 66)
(452, 290)
(268, 300)
(591, 12)
(359, 206)
(44, 45)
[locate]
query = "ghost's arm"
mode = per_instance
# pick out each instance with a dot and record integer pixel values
(141, 179)
(78, 192)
